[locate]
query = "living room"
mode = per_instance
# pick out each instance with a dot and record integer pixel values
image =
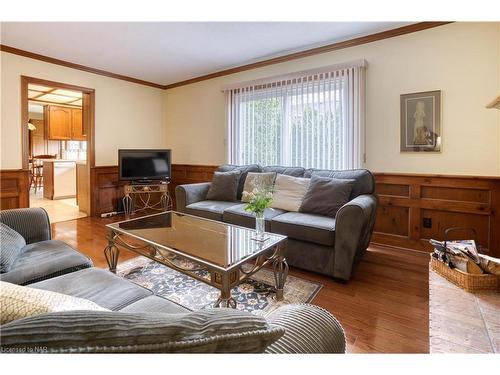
(277, 182)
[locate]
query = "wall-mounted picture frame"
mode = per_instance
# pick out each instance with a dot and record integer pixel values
(421, 122)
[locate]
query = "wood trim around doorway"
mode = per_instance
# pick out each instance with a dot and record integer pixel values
(88, 113)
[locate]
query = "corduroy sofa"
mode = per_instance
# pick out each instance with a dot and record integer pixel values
(327, 245)
(141, 322)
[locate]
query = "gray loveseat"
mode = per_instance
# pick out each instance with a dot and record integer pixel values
(327, 245)
(140, 321)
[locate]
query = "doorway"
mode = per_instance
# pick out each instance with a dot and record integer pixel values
(58, 146)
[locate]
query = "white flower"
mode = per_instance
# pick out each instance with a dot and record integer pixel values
(251, 196)
(245, 194)
(255, 191)
(269, 195)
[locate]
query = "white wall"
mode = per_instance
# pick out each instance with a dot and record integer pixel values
(461, 59)
(126, 114)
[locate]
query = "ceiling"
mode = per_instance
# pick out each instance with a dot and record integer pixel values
(49, 95)
(169, 52)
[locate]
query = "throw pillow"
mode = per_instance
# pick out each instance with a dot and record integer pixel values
(18, 302)
(244, 169)
(224, 186)
(289, 192)
(11, 244)
(211, 330)
(326, 195)
(264, 181)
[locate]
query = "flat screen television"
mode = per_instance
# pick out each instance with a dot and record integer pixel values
(144, 165)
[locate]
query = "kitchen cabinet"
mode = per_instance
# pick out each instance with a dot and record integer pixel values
(64, 123)
(77, 131)
(58, 123)
(82, 187)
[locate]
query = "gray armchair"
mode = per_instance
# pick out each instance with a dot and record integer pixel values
(327, 245)
(41, 257)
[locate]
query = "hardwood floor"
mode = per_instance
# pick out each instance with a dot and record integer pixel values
(383, 309)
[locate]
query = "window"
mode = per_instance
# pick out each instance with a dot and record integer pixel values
(312, 119)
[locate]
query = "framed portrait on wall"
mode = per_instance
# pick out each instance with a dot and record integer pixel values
(421, 122)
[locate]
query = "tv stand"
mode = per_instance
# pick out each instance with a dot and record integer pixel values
(144, 191)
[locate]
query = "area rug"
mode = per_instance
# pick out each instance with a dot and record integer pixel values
(253, 295)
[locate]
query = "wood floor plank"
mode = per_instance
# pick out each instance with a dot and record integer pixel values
(383, 309)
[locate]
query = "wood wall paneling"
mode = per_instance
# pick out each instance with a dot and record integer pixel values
(14, 185)
(107, 189)
(445, 201)
(405, 201)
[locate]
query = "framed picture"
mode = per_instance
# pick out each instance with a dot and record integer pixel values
(421, 122)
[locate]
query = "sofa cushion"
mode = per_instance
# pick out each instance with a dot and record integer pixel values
(11, 244)
(244, 169)
(288, 171)
(224, 186)
(205, 331)
(364, 181)
(18, 302)
(209, 209)
(305, 227)
(155, 304)
(259, 181)
(238, 216)
(43, 260)
(97, 285)
(326, 195)
(289, 192)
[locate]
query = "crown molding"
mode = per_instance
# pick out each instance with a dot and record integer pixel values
(275, 60)
(84, 68)
(315, 51)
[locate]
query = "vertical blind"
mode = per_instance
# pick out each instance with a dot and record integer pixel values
(311, 119)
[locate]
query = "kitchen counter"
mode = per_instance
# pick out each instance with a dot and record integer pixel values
(59, 178)
(59, 161)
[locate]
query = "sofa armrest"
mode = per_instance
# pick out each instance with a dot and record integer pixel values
(353, 229)
(215, 330)
(191, 193)
(308, 329)
(32, 223)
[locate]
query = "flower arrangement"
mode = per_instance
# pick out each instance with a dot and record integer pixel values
(258, 200)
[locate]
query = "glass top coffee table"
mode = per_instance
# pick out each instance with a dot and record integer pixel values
(190, 244)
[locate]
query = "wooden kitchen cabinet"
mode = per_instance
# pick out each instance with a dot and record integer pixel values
(77, 131)
(58, 123)
(64, 123)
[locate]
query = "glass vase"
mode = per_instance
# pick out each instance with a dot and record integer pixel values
(259, 224)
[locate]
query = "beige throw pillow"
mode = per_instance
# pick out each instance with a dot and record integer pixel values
(19, 302)
(289, 192)
(258, 181)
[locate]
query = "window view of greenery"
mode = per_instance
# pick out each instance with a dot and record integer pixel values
(298, 126)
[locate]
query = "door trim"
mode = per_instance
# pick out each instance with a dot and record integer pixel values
(88, 113)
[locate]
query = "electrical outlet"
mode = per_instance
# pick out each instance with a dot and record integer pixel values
(427, 222)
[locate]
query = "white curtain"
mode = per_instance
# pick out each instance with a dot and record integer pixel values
(310, 119)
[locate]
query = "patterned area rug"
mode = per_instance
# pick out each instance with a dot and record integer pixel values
(253, 295)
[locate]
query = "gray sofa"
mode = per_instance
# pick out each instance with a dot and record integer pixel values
(330, 246)
(140, 321)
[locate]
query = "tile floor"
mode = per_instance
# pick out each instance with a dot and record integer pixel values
(58, 209)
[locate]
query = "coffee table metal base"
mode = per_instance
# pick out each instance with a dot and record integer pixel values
(224, 280)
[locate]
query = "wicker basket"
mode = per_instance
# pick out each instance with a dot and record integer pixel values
(468, 281)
